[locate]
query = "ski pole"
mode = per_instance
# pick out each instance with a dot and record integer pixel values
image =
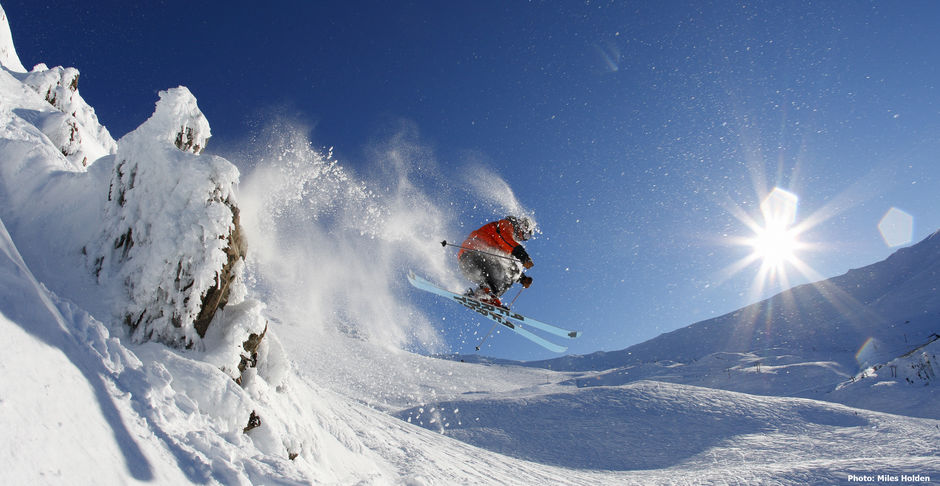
(487, 335)
(446, 244)
(513, 301)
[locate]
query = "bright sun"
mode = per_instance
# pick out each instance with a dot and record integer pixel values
(775, 244)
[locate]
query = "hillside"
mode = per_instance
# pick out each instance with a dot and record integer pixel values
(812, 341)
(895, 302)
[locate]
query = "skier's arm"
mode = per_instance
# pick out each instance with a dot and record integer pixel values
(519, 252)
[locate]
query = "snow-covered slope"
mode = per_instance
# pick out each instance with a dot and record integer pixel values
(668, 427)
(806, 342)
(115, 373)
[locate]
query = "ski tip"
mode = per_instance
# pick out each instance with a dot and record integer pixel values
(574, 334)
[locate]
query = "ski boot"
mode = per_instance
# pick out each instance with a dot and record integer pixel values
(483, 294)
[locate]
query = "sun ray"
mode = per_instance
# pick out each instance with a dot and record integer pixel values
(776, 247)
(774, 243)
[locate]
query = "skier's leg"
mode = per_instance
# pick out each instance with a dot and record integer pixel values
(485, 272)
(472, 267)
(497, 279)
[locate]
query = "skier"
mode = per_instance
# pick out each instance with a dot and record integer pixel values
(492, 258)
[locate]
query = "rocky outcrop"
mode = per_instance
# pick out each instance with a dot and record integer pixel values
(73, 128)
(217, 296)
(173, 238)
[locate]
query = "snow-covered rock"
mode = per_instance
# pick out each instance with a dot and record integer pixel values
(72, 125)
(178, 264)
(156, 225)
(74, 128)
(177, 121)
(171, 235)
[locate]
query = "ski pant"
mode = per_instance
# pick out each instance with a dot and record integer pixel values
(497, 274)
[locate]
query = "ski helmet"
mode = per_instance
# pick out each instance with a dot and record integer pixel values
(523, 227)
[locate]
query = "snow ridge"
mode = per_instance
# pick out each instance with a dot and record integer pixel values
(8, 57)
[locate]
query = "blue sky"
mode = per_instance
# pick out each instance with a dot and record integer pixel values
(635, 131)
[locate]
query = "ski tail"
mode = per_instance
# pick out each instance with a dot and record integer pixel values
(557, 331)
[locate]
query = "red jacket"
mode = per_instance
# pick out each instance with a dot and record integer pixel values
(496, 237)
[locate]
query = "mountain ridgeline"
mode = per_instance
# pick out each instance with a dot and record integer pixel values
(894, 303)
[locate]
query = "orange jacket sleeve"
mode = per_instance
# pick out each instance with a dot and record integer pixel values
(495, 237)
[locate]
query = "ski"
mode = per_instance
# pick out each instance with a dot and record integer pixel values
(549, 328)
(546, 327)
(509, 319)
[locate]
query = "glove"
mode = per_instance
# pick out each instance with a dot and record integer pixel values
(520, 254)
(528, 264)
(525, 280)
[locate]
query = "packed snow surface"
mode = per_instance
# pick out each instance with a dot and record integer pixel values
(843, 387)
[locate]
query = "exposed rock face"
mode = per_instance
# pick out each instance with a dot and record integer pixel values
(251, 346)
(173, 236)
(217, 296)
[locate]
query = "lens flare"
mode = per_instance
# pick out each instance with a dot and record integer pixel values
(896, 227)
(866, 353)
